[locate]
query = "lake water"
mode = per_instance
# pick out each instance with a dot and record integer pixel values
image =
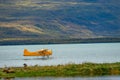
(62, 54)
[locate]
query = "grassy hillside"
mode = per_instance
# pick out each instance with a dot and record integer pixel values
(51, 19)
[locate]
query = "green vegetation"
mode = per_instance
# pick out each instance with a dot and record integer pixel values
(84, 69)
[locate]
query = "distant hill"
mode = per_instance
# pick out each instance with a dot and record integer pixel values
(58, 19)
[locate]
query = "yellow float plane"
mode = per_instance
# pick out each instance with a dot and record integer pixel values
(42, 52)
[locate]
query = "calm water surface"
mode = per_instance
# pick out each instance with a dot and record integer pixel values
(62, 54)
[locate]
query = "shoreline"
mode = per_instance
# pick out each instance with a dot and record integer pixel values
(67, 70)
(38, 41)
